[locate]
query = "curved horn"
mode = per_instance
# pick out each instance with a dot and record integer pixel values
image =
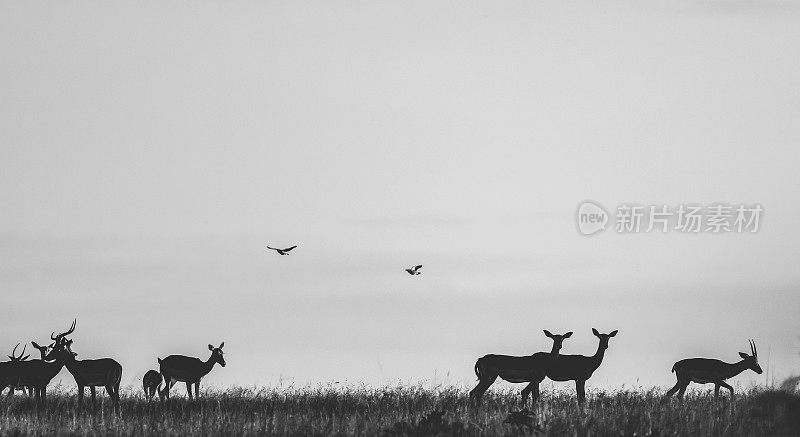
(753, 346)
(71, 328)
(23, 353)
(13, 355)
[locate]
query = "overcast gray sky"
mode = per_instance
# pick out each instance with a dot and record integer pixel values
(150, 150)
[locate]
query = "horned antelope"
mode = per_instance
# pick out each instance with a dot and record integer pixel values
(579, 368)
(706, 370)
(42, 371)
(10, 376)
(104, 372)
(152, 383)
(531, 369)
(20, 384)
(29, 385)
(58, 338)
(190, 370)
(14, 357)
(37, 374)
(34, 373)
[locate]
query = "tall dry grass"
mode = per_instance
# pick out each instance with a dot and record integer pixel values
(406, 410)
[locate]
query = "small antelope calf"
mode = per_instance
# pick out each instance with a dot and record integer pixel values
(152, 384)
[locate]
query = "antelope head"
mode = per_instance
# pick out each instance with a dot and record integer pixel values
(60, 337)
(68, 349)
(604, 338)
(751, 360)
(216, 354)
(42, 349)
(62, 349)
(558, 340)
(13, 356)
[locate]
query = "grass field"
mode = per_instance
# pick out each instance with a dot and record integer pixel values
(407, 410)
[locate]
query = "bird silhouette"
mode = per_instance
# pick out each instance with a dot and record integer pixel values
(282, 251)
(414, 270)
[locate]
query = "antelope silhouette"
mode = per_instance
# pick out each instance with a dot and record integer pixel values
(34, 374)
(190, 370)
(103, 372)
(45, 370)
(31, 383)
(152, 383)
(711, 371)
(531, 369)
(579, 368)
(20, 384)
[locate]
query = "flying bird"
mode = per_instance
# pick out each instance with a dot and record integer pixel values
(282, 251)
(414, 270)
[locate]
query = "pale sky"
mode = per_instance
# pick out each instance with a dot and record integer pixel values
(149, 151)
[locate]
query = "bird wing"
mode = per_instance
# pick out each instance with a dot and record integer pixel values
(288, 249)
(417, 267)
(272, 248)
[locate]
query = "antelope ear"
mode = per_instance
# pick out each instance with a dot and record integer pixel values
(10, 357)
(35, 345)
(744, 355)
(568, 334)
(221, 345)
(211, 348)
(594, 331)
(547, 333)
(613, 333)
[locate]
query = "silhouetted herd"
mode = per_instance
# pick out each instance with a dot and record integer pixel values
(533, 369)
(34, 375)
